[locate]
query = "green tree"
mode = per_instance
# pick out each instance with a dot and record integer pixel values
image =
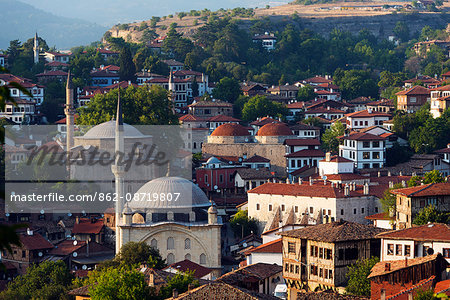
(425, 295)
(176, 44)
(389, 79)
(136, 253)
(180, 282)
(358, 283)
(260, 106)
(141, 106)
(389, 200)
(48, 280)
(227, 89)
(414, 181)
(127, 68)
(118, 284)
(433, 177)
(330, 141)
(194, 87)
(401, 30)
(306, 93)
(242, 225)
(431, 214)
(355, 83)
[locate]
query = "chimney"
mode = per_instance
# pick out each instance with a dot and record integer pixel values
(300, 181)
(366, 189)
(379, 174)
(174, 293)
(87, 248)
(324, 182)
(400, 173)
(403, 183)
(346, 190)
(29, 231)
(77, 220)
(389, 173)
(310, 181)
(287, 181)
(332, 184)
(274, 180)
(328, 156)
(383, 294)
(387, 266)
(391, 184)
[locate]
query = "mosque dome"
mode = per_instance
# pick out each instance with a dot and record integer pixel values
(230, 129)
(274, 129)
(107, 130)
(190, 195)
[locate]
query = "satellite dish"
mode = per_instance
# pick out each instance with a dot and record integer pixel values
(69, 214)
(75, 254)
(245, 245)
(83, 212)
(240, 159)
(246, 139)
(84, 267)
(230, 162)
(68, 236)
(7, 214)
(430, 251)
(42, 211)
(75, 243)
(40, 254)
(324, 177)
(216, 187)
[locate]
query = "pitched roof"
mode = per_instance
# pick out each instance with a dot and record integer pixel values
(274, 246)
(223, 118)
(379, 216)
(296, 105)
(339, 231)
(249, 173)
(63, 120)
(86, 226)
(428, 232)
(366, 114)
(253, 272)
(191, 118)
(302, 126)
(307, 153)
(211, 103)
(34, 242)
(432, 189)
(172, 62)
(443, 88)
(415, 90)
(396, 265)
(362, 136)
(263, 121)
(256, 158)
(187, 265)
(302, 142)
(317, 79)
(56, 64)
(337, 159)
(52, 73)
(324, 110)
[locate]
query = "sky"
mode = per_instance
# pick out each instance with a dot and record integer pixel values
(111, 12)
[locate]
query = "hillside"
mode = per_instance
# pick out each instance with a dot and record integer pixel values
(322, 18)
(21, 21)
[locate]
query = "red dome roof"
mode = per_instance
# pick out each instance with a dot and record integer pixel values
(230, 129)
(274, 129)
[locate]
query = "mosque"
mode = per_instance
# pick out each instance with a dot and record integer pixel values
(184, 227)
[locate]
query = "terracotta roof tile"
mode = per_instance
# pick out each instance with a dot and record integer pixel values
(187, 265)
(428, 232)
(415, 90)
(366, 114)
(379, 216)
(395, 265)
(270, 247)
(274, 129)
(432, 189)
(256, 158)
(307, 153)
(34, 242)
(85, 226)
(336, 158)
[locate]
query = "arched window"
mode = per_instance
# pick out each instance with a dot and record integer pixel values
(170, 243)
(187, 256)
(154, 244)
(203, 259)
(187, 244)
(170, 258)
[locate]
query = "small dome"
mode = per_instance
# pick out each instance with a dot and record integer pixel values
(107, 130)
(189, 195)
(213, 160)
(230, 129)
(274, 129)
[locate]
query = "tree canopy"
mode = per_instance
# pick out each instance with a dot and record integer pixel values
(330, 141)
(358, 283)
(227, 89)
(241, 224)
(260, 106)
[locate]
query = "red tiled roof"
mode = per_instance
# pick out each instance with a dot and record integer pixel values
(302, 142)
(263, 121)
(395, 265)
(264, 37)
(63, 120)
(307, 153)
(187, 265)
(103, 73)
(223, 118)
(366, 114)
(296, 105)
(190, 118)
(379, 216)
(444, 150)
(345, 177)
(429, 232)
(274, 129)
(415, 90)
(256, 158)
(67, 247)
(444, 285)
(34, 242)
(56, 64)
(111, 68)
(106, 51)
(336, 158)
(432, 189)
(324, 110)
(87, 227)
(123, 85)
(57, 53)
(362, 136)
(270, 247)
(52, 73)
(317, 79)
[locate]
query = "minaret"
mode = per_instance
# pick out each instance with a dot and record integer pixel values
(118, 170)
(172, 94)
(36, 49)
(70, 112)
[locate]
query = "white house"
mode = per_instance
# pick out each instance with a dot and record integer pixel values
(270, 253)
(23, 112)
(305, 131)
(366, 118)
(416, 242)
(36, 90)
(382, 220)
(256, 162)
(56, 56)
(267, 40)
(335, 165)
(440, 100)
(366, 150)
(325, 112)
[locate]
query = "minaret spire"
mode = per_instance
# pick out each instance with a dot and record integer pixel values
(36, 49)
(119, 171)
(70, 112)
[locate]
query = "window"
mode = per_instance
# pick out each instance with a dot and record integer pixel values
(297, 269)
(311, 210)
(375, 155)
(366, 155)
(446, 252)
(203, 259)
(376, 166)
(407, 250)
(291, 247)
(270, 207)
(398, 249)
(351, 254)
(291, 269)
(320, 252)
(366, 144)
(375, 144)
(154, 244)
(330, 275)
(296, 209)
(257, 206)
(170, 258)
(23, 253)
(362, 210)
(366, 166)
(221, 178)
(390, 249)
(328, 254)
(286, 267)
(354, 211)
(170, 243)
(320, 272)
(187, 244)
(206, 178)
(187, 256)
(342, 212)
